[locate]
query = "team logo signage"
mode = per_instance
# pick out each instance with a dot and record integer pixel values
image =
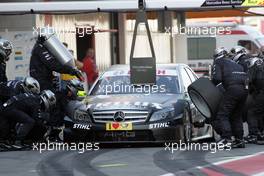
(212, 3)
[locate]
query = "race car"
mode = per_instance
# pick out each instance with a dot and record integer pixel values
(117, 111)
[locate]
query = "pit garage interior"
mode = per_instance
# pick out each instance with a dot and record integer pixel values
(110, 29)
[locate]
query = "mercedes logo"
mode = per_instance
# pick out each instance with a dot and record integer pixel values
(119, 116)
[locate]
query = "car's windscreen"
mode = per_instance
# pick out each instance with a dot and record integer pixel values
(165, 84)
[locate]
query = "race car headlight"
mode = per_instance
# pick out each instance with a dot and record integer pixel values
(81, 116)
(163, 114)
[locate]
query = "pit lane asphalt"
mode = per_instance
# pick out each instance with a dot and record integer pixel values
(125, 161)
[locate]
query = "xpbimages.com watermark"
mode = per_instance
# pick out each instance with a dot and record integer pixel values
(181, 146)
(127, 88)
(198, 30)
(80, 31)
(80, 147)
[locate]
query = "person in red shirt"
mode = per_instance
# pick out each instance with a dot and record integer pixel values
(88, 66)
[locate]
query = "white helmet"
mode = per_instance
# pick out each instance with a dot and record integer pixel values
(237, 52)
(5, 49)
(48, 99)
(254, 61)
(31, 85)
(220, 53)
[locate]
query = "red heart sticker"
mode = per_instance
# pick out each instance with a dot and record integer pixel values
(115, 125)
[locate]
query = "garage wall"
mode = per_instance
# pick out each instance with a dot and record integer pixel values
(17, 23)
(18, 29)
(161, 43)
(102, 40)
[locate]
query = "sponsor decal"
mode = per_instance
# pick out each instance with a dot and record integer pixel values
(122, 104)
(253, 3)
(210, 3)
(159, 125)
(119, 126)
(82, 126)
(126, 134)
(222, 3)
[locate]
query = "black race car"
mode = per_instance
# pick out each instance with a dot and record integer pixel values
(117, 111)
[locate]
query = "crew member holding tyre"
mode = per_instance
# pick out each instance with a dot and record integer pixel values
(49, 55)
(256, 90)
(229, 117)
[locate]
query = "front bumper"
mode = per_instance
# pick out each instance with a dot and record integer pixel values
(161, 131)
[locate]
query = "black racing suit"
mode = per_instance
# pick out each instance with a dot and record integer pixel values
(244, 61)
(19, 107)
(42, 65)
(228, 120)
(3, 77)
(256, 90)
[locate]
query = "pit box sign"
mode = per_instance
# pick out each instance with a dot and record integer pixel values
(214, 3)
(143, 71)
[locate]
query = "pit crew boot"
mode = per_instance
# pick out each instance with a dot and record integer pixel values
(5, 146)
(251, 139)
(18, 145)
(238, 143)
(224, 142)
(260, 139)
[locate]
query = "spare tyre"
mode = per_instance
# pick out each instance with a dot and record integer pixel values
(205, 96)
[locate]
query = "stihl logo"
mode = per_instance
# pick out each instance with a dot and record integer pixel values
(158, 125)
(81, 126)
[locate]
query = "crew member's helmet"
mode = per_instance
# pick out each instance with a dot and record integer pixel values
(5, 49)
(254, 61)
(220, 53)
(31, 85)
(73, 87)
(44, 33)
(48, 99)
(237, 52)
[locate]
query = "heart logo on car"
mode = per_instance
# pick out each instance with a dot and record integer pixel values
(115, 125)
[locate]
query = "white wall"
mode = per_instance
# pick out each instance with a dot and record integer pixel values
(161, 43)
(180, 54)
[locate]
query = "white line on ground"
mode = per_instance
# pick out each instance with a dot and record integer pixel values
(221, 162)
(230, 160)
(168, 174)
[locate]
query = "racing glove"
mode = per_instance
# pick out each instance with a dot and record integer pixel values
(78, 74)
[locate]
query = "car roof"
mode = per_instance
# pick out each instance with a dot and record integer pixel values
(158, 66)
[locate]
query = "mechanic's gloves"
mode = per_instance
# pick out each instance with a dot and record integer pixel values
(17, 98)
(9, 102)
(78, 74)
(43, 117)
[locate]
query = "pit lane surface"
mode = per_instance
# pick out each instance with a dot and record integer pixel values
(136, 161)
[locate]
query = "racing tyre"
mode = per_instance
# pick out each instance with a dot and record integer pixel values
(205, 96)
